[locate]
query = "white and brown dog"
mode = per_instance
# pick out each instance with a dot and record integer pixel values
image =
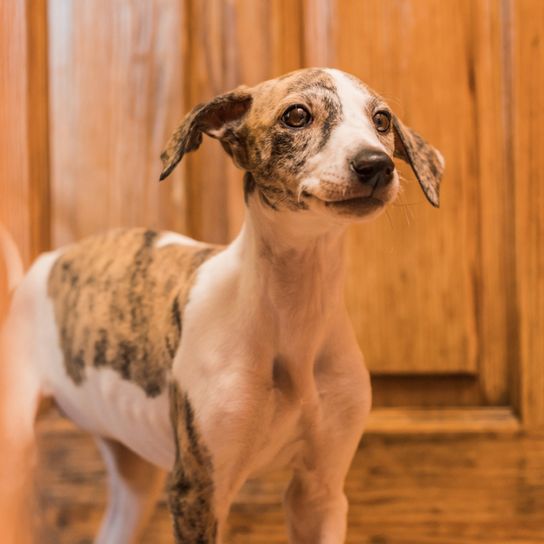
(218, 363)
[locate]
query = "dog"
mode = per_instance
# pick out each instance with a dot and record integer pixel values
(216, 364)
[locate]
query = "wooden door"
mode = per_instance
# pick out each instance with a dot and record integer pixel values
(448, 304)
(434, 294)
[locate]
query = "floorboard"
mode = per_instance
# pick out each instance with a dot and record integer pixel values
(403, 489)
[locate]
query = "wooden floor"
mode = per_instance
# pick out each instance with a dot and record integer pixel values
(402, 490)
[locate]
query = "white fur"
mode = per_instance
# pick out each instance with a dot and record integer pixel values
(168, 238)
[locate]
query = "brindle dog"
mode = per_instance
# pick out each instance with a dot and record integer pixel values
(216, 364)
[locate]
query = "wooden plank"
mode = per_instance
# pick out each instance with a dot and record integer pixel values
(528, 189)
(24, 169)
(471, 489)
(38, 126)
(117, 89)
(494, 276)
(318, 32)
(426, 391)
(427, 421)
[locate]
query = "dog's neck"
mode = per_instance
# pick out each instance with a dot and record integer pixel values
(292, 270)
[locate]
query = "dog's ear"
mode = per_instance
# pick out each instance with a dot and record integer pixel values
(213, 118)
(426, 162)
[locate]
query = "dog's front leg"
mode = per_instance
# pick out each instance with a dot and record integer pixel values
(200, 493)
(191, 489)
(316, 513)
(315, 503)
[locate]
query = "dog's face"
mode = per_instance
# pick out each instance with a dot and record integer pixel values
(314, 140)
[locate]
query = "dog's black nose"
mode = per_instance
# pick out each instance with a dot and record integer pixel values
(373, 167)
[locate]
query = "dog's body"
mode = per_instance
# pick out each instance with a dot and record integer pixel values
(245, 351)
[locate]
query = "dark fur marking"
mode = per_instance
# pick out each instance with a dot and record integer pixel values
(335, 116)
(190, 490)
(224, 109)
(266, 201)
(249, 186)
(306, 79)
(77, 367)
(176, 315)
(100, 349)
(282, 145)
(422, 157)
(119, 303)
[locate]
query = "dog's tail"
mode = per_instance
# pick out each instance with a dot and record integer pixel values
(18, 395)
(12, 258)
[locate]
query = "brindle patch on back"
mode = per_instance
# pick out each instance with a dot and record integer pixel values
(118, 303)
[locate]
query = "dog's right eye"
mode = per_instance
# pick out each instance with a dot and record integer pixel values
(382, 121)
(296, 116)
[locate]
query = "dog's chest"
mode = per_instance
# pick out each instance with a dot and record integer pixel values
(289, 412)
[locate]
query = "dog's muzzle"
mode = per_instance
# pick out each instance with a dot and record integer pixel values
(373, 168)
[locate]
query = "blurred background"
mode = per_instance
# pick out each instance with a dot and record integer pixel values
(448, 304)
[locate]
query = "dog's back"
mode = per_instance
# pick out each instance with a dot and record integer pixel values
(118, 300)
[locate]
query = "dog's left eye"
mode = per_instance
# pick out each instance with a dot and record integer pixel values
(296, 116)
(382, 121)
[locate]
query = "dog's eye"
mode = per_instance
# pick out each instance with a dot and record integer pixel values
(382, 121)
(296, 116)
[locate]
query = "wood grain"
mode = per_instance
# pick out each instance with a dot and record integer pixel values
(24, 153)
(117, 89)
(456, 489)
(528, 140)
(428, 421)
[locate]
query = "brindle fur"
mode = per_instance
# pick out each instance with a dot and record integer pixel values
(269, 151)
(191, 483)
(412, 148)
(119, 302)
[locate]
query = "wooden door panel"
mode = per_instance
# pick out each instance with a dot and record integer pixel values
(420, 277)
(527, 20)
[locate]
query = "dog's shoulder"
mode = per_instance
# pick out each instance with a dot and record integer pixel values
(118, 300)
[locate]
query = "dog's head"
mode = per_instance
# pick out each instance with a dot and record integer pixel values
(314, 139)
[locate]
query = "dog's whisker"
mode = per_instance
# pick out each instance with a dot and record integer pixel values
(390, 221)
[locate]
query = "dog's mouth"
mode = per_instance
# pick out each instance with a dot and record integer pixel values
(354, 205)
(359, 204)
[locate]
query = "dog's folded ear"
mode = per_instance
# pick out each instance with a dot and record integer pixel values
(213, 118)
(426, 162)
